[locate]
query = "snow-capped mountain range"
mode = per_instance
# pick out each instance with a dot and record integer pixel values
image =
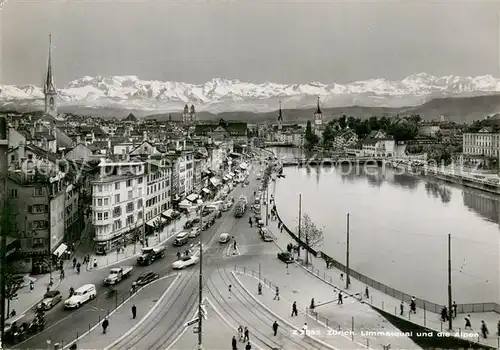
(218, 95)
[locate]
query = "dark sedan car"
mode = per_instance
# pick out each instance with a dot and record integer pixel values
(146, 278)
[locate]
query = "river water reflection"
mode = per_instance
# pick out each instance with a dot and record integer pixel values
(399, 226)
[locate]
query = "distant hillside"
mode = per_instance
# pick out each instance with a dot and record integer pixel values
(458, 109)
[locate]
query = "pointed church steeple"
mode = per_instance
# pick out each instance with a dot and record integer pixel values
(280, 114)
(49, 87)
(318, 109)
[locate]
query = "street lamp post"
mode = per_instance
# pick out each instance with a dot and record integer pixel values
(200, 289)
(450, 318)
(347, 282)
(300, 217)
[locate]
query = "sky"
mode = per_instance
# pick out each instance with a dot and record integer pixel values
(252, 41)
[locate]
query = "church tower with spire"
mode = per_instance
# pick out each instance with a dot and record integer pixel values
(49, 87)
(318, 119)
(192, 114)
(185, 114)
(280, 122)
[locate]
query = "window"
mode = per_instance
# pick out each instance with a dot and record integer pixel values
(130, 207)
(130, 220)
(117, 186)
(129, 183)
(139, 180)
(99, 202)
(130, 194)
(38, 192)
(106, 215)
(40, 224)
(106, 201)
(139, 215)
(99, 216)
(117, 211)
(139, 203)
(117, 224)
(99, 188)
(139, 192)
(117, 198)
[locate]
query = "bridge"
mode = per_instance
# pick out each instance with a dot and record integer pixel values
(295, 161)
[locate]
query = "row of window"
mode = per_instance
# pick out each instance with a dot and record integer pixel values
(117, 185)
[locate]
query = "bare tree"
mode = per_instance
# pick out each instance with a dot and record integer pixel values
(310, 233)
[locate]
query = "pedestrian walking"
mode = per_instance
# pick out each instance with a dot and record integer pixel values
(105, 325)
(444, 314)
(340, 300)
(234, 343)
(78, 267)
(230, 286)
(468, 324)
(367, 293)
(294, 309)
(312, 306)
(454, 308)
(281, 229)
(279, 225)
(277, 294)
(178, 255)
(401, 308)
(234, 245)
(248, 346)
(413, 305)
(246, 336)
(134, 312)
(74, 262)
(95, 263)
(32, 286)
(240, 333)
(341, 276)
(250, 221)
(61, 277)
(304, 329)
(484, 330)
(259, 288)
(275, 328)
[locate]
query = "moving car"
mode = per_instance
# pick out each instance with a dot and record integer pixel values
(224, 238)
(185, 262)
(81, 296)
(181, 239)
(146, 278)
(149, 255)
(50, 299)
(117, 274)
(286, 257)
(195, 232)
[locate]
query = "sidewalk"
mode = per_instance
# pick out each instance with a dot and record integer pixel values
(131, 250)
(387, 303)
(27, 299)
(121, 321)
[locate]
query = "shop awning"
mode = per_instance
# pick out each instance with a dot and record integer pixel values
(168, 213)
(185, 204)
(156, 220)
(192, 197)
(60, 250)
(206, 190)
(215, 181)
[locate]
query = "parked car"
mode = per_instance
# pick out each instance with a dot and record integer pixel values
(50, 299)
(81, 296)
(286, 257)
(195, 232)
(265, 234)
(185, 262)
(146, 278)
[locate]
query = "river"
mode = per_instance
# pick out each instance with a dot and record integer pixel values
(399, 226)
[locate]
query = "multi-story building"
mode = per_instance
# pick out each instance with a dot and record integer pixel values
(117, 203)
(126, 196)
(481, 148)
